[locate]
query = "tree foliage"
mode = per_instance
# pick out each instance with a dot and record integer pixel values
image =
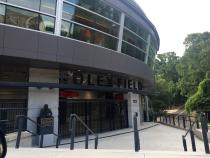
(201, 99)
(166, 78)
(195, 63)
(183, 78)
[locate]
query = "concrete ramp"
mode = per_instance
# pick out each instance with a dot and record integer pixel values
(66, 153)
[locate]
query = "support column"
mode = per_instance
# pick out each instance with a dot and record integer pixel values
(133, 107)
(147, 51)
(59, 10)
(122, 21)
(37, 97)
(141, 108)
(147, 107)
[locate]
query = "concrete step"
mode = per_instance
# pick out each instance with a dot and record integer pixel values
(82, 153)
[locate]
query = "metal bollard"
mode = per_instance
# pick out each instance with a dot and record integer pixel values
(86, 139)
(169, 119)
(72, 130)
(192, 139)
(166, 119)
(174, 121)
(178, 121)
(204, 126)
(42, 140)
(96, 142)
(184, 143)
(197, 123)
(20, 128)
(184, 125)
(190, 121)
(136, 134)
(57, 142)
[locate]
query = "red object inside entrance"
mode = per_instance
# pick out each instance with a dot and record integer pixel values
(69, 94)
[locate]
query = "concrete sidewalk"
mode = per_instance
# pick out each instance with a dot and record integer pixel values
(156, 138)
(65, 153)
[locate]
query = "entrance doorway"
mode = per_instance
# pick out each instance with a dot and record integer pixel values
(100, 115)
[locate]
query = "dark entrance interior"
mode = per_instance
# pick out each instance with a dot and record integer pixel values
(13, 101)
(100, 115)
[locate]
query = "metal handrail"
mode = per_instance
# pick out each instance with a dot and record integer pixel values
(188, 131)
(73, 118)
(20, 127)
(107, 136)
(83, 123)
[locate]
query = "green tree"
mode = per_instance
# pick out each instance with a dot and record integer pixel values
(166, 78)
(195, 63)
(201, 99)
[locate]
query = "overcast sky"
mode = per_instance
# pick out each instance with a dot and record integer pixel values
(175, 19)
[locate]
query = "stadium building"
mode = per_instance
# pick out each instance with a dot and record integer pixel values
(89, 57)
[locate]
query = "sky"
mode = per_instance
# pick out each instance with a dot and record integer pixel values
(175, 19)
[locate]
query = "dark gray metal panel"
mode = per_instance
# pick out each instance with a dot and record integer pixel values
(1, 51)
(83, 54)
(102, 58)
(1, 38)
(71, 52)
(47, 48)
(65, 50)
(20, 42)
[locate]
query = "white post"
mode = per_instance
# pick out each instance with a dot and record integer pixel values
(59, 10)
(122, 21)
(133, 107)
(147, 107)
(148, 47)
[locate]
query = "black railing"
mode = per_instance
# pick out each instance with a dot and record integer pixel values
(189, 123)
(20, 124)
(8, 116)
(179, 121)
(192, 136)
(73, 119)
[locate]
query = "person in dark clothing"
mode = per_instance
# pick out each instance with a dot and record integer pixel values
(3, 145)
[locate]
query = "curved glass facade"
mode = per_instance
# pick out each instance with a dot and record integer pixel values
(152, 52)
(91, 21)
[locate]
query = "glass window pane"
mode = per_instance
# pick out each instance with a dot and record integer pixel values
(132, 51)
(99, 7)
(84, 17)
(105, 41)
(3, 0)
(78, 32)
(65, 28)
(68, 11)
(106, 26)
(131, 25)
(107, 11)
(46, 24)
(89, 19)
(88, 4)
(22, 18)
(2, 13)
(32, 4)
(82, 33)
(134, 39)
(48, 6)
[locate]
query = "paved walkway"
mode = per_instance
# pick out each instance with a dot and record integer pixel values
(65, 153)
(160, 141)
(157, 138)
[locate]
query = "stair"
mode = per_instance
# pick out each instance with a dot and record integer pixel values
(66, 153)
